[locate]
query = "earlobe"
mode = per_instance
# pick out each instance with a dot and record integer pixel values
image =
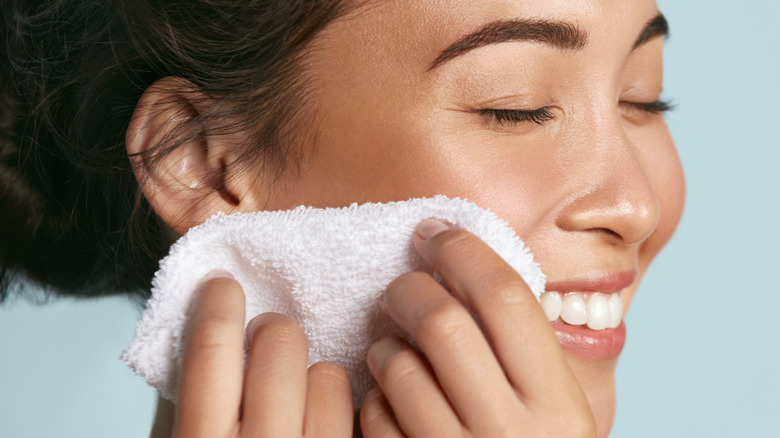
(181, 169)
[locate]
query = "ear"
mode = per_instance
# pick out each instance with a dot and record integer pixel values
(191, 182)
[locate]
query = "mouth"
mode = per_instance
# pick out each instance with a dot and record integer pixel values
(587, 316)
(594, 310)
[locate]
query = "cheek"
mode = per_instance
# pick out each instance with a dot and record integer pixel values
(372, 162)
(666, 175)
(509, 178)
(363, 162)
(662, 164)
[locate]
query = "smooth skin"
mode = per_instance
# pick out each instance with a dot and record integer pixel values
(595, 190)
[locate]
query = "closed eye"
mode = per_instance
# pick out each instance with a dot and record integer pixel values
(539, 116)
(657, 107)
(506, 117)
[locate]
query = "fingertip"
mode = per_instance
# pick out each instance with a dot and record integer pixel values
(428, 230)
(268, 318)
(210, 376)
(214, 280)
(431, 227)
(275, 326)
(221, 290)
(278, 325)
(217, 295)
(379, 353)
(331, 381)
(329, 408)
(330, 370)
(275, 383)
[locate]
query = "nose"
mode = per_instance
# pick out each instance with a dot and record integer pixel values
(614, 197)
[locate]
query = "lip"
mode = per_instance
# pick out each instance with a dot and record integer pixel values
(591, 344)
(606, 283)
(582, 341)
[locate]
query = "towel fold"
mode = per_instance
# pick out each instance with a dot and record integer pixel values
(325, 268)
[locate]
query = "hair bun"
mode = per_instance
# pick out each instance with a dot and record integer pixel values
(65, 194)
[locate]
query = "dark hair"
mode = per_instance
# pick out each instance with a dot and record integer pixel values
(72, 72)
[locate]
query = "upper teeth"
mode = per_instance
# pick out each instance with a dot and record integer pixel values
(596, 310)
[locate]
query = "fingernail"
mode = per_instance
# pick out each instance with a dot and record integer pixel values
(217, 274)
(430, 228)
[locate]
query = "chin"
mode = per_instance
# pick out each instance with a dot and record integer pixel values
(597, 378)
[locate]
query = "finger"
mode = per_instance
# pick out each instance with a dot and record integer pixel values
(462, 361)
(408, 383)
(209, 395)
(519, 332)
(275, 383)
(376, 417)
(329, 411)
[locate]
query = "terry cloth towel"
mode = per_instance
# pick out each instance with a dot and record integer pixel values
(325, 268)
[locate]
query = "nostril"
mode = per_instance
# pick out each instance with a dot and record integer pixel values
(606, 231)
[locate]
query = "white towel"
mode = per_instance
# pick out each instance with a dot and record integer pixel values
(325, 268)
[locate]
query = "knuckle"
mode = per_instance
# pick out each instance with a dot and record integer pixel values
(443, 321)
(503, 289)
(401, 368)
(209, 332)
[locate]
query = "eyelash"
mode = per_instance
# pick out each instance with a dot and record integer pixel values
(515, 117)
(544, 114)
(657, 107)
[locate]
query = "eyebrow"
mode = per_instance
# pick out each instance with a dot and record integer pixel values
(657, 27)
(560, 34)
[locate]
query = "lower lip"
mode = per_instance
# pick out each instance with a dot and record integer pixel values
(591, 344)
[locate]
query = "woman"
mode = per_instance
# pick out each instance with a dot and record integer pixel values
(547, 113)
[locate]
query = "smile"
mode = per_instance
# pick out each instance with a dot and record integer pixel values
(597, 311)
(587, 313)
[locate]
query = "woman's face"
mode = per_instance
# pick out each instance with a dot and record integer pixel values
(535, 119)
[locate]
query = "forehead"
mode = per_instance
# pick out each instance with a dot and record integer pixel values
(425, 28)
(383, 50)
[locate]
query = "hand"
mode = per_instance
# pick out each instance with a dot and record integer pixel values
(500, 375)
(277, 397)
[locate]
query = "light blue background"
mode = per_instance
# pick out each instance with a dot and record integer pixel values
(703, 358)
